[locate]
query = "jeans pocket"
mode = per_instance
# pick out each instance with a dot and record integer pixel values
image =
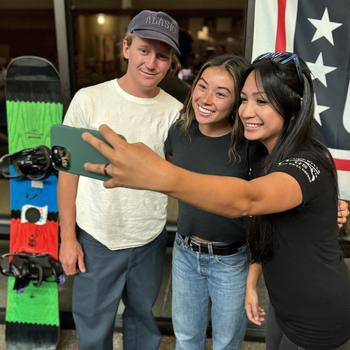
(236, 260)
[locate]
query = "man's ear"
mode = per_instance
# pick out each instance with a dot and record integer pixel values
(125, 49)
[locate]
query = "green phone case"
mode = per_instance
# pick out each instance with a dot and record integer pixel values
(70, 152)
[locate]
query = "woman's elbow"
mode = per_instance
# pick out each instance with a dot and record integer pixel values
(236, 210)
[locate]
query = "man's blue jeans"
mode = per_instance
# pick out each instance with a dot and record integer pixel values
(199, 278)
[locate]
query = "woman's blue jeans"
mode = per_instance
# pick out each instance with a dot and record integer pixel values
(199, 279)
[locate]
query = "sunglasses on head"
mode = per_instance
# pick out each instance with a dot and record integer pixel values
(282, 58)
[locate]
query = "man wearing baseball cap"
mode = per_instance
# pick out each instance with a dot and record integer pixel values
(156, 25)
(117, 251)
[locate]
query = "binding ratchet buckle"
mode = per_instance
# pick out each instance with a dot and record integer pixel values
(32, 163)
(35, 268)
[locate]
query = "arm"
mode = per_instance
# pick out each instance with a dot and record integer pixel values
(136, 166)
(255, 313)
(71, 253)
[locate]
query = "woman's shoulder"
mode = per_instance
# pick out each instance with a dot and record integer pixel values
(176, 127)
(314, 154)
(308, 164)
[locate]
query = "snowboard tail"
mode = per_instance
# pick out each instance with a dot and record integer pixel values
(31, 336)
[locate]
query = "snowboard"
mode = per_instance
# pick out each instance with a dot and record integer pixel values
(33, 105)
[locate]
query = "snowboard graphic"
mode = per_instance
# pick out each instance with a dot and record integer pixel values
(33, 105)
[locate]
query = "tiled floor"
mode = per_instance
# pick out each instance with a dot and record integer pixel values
(67, 342)
(167, 343)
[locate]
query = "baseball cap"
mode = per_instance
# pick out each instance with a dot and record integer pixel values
(157, 26)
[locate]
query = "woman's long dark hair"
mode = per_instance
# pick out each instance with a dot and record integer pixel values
(289, 89)
(235, 65)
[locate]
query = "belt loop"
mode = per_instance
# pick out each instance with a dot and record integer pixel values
(210, 249)
(185, 239)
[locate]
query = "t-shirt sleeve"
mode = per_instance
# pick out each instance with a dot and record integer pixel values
(79, 111)
(308, 173)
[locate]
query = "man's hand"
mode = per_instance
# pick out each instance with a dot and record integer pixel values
(72, 257)
(131, 165)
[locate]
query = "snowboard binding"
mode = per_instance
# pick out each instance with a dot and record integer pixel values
(32, 163)
(34, 268)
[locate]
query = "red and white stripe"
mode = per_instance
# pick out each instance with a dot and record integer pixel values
(342, 162)
(274, 26)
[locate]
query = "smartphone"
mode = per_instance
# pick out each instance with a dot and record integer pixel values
(69, 152)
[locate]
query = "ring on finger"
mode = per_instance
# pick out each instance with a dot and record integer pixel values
(105, 169)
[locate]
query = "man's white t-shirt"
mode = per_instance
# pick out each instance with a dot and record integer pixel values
(122, 218)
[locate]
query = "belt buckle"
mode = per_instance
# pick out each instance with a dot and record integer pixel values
(195, 244)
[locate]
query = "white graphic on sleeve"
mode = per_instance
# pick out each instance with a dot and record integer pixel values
(307, 167)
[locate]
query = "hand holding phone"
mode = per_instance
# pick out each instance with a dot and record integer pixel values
(70, 152)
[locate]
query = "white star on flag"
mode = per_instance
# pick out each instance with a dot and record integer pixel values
(319, 70)
(324, 27)
(318, 110)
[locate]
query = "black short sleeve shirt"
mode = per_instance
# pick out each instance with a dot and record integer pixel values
(307, 279)
(207, 155)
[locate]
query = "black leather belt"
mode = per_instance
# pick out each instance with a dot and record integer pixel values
(220, 249)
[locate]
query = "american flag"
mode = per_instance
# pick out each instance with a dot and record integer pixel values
(319, 32)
